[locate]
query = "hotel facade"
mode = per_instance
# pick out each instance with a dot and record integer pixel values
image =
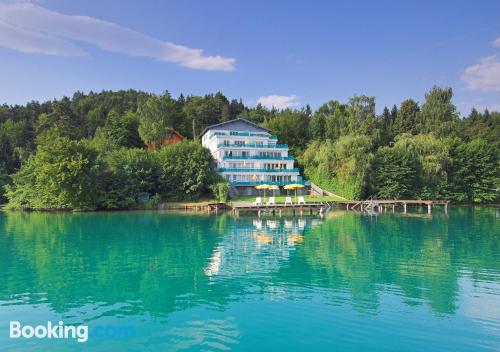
(248, 154)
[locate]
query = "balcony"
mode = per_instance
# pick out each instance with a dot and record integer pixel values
(277, 183)
(243, 134)
(252, 145)
(224, 169)
(257, 157)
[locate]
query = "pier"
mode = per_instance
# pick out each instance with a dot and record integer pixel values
(319, 207)
(383, 205)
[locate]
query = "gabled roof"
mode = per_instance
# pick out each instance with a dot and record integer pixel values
(170, 129)
(236, 122)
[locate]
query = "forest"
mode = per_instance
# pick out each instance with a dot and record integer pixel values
(89, 151)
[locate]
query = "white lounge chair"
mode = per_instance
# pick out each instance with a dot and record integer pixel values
(288, 200)
(258, 201)
(301, 200)
(272, 201)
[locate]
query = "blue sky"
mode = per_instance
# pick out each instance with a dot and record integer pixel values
(281, 53)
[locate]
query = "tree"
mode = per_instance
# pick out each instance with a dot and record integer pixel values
(317, 126)
(438, 112)
(385, 126)
(187, 170)
(475, 175)
(407, 118)
(60, 175)
(129, 173)
(341, 167)
(155, 115)
(394, 175)
(119, 131)
(291, 127)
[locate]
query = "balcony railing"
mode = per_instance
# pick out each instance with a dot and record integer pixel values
(229, 169)
(243, 134)
(252, 145)
(277, 183)
(257, 157)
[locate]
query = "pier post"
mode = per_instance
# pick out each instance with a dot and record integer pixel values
(446, 208)
(393, 208)
(258, 213)
(310, 211)
(301, 212)
(404, 208)
(347, 205)
(280, 212)
(429, 208)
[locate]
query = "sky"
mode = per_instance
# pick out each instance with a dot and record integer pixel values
(278, 53)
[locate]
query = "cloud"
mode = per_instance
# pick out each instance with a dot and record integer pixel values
(484, 76)
(279, 101)
(29, 28)
(496, 43)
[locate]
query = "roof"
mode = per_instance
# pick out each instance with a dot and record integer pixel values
(238, 124)
(170, 129)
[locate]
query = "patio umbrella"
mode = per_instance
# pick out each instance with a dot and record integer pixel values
(273, 188)
(264, 187)
(294, 186)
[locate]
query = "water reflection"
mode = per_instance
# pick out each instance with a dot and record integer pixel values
(90, 267)
(254, 247)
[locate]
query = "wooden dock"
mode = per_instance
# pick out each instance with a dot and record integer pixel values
(319, 207)
(383, 205)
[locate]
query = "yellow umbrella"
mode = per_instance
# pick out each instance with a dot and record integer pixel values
(294, 186)
(273, 188)
(264, 187)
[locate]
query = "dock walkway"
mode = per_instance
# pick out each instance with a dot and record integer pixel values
(320, 207)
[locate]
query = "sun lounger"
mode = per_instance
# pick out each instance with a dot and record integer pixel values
(258, 201)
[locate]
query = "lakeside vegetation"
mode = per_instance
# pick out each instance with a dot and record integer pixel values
(89, 151)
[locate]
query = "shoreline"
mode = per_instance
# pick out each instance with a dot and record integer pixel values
(203, 206)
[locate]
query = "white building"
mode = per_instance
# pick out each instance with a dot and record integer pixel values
(248, 155)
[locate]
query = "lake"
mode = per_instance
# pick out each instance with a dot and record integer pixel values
(163, 281)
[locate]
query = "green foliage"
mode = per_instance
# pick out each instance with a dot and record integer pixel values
(4, 181)
(407, 118)
(342, 167)
(291, 127)
(187, 170)
(155, 115)
(59, 175)
(128, 173)
(438, 112)
(476, 172)
(394, 174)
(220, 190)
(410, 151)
(118, 131)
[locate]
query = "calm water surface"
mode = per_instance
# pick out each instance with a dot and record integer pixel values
(170, 282)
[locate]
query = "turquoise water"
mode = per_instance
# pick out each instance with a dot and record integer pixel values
(165, 282)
